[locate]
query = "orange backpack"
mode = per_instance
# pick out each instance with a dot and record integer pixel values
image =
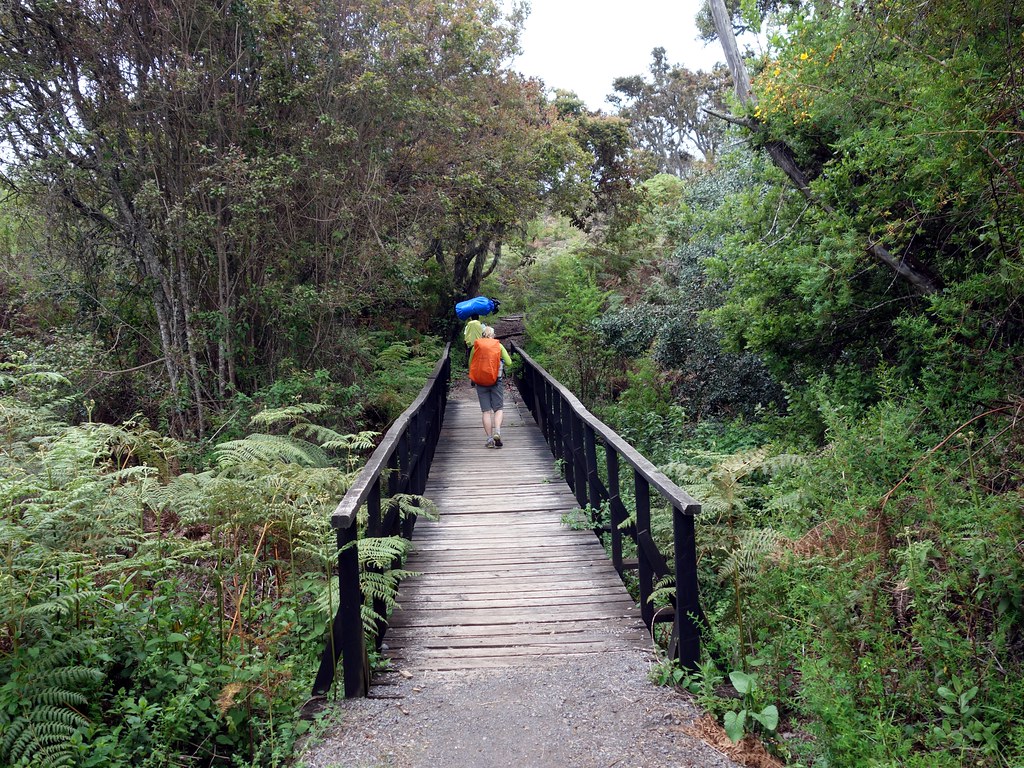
(486, 362)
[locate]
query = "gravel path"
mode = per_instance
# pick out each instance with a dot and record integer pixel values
(597, 712)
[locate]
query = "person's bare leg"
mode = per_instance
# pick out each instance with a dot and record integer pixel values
(488, 418)
(496, 434)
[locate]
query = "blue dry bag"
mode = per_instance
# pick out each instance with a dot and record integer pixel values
(481, 305)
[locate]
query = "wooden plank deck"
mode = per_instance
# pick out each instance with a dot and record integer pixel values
(504, 581)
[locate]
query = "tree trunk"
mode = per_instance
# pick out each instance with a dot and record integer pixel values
(141, 244)
(723, 26)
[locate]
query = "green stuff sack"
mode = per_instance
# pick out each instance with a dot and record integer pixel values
(486, 363)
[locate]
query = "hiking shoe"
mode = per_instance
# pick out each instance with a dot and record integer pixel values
(497, 440)
(490, 443)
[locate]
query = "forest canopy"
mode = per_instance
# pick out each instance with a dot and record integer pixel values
(238, 181)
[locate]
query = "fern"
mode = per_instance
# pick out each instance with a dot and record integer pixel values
(266, 450)
(332, 440)
(393, 355)
(289, 414)
(94, 518)
(744, 561)
(411, 505)
(664, 590)
(39, 705)
(381, 552)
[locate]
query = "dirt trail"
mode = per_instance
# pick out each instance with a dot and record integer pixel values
(592, 713)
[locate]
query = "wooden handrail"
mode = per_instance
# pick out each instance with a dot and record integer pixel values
(404, 457)
(344, 514)
(572, 433)
(669, 490)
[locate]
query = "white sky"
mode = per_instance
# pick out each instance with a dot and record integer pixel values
(583, 45)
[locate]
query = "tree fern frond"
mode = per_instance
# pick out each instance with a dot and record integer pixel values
(382, 551)
(745, 559)
(187, 494)
(60, 656)
(793, 500)
(288, 414)
(41, 736)
(393, 355)
(664, 590)
(411, 504)
(49, 718)
(65, 603)
(132, 474)
(785, 461)
(741, 464)
(683, 473)
(326, 600)
(45, 378)
(266, 450)
(380, 586)
(371, 619)
(56, 755)
(360, 441)
(15, 732)
(64, 678)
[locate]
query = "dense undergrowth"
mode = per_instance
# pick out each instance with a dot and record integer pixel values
(163, 603)
(860, 541)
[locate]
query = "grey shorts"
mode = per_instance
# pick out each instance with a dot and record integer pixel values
(491, 398)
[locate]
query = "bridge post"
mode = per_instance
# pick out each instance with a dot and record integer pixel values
(645, 568)
(346, 640)
(611, 460)
(688, 608)
(593, 480)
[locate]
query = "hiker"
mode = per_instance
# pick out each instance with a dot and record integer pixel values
(474, 330)
(487, 362)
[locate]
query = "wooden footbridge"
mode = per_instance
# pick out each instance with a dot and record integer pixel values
(504, 581)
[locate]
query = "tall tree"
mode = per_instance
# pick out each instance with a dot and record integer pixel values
(267, 170)
(906, 265)
(668, 113)
(907, 130)
(609, 171)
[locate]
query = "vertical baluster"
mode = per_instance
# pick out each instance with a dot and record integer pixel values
(579, 483)
(537, 399)
(565, 419)
(593, 479)
(373, 521)
(611, 460)
(347, 640)
(687, 598)
(375, 529)
(408, 448)
(549, 410)
(643, 529)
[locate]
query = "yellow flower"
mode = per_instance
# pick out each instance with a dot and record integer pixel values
(803, 57)
(778, 71)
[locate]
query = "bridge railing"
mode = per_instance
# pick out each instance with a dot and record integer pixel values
(573, 434)
(400, 464)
